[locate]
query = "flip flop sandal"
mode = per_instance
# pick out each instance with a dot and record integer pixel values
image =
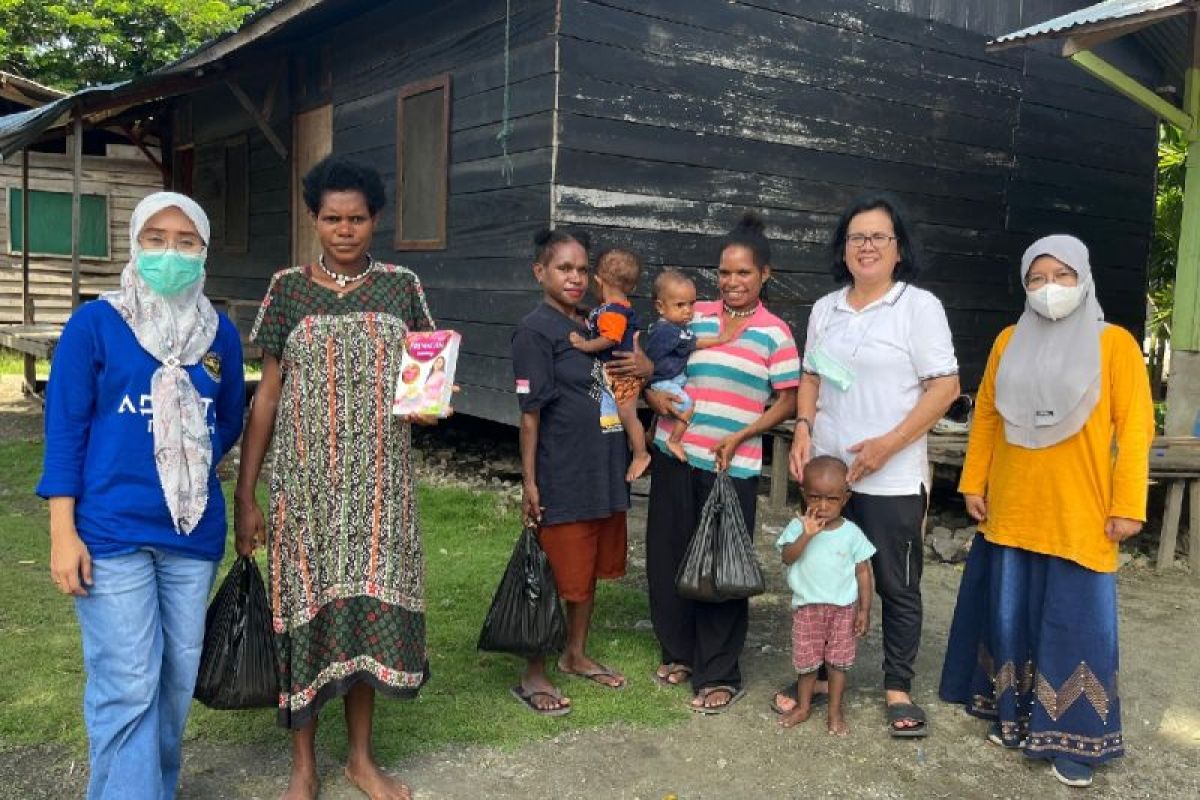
(594, 676)
(897, 712)
(792, 692)
(734, 696)
(673, 669)
(527, 698)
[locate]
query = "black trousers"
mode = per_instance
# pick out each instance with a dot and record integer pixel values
(893, 524)
(708, 637)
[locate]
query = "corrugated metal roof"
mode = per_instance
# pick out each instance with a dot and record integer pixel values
(1100, 14)
(22, 129)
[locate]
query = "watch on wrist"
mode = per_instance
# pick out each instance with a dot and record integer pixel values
(806, 422)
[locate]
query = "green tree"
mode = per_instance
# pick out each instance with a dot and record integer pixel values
(70, 44)
(1164, 248)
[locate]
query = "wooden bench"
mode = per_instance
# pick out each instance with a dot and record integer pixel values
(32, 341)
(1174, 460)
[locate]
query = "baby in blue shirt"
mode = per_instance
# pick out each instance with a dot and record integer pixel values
(670, 342)
(828, 572)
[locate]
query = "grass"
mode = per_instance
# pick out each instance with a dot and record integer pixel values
(13, 363)
(468, 537)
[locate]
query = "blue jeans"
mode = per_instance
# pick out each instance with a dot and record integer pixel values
(142, 625)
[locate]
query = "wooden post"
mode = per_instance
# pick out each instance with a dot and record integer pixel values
(76, 206)
(30, 362)
(1194, 525)
(26, 300)
(1170, 524)
(780, 452)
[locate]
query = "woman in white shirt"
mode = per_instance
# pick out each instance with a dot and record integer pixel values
(879, 370)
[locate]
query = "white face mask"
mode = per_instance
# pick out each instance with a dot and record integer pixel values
(1055, 302)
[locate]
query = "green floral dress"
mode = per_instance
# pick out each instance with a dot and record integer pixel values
(345, 560)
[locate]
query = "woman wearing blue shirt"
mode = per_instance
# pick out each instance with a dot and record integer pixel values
(145, 398)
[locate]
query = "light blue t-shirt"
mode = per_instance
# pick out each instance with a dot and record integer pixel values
(824, 572)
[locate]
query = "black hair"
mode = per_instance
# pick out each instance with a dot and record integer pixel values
(337, 174)
(909, 266)
(620, 267)
(669, 277)
(826, 464)
(545, 240)
(748, 233)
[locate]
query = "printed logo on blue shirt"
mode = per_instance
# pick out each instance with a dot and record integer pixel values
(212, 365)
(145, 407)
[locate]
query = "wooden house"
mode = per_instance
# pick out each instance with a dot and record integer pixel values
(114, 177)
(653, 123)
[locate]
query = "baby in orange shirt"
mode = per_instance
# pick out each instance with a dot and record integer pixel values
(611, 326)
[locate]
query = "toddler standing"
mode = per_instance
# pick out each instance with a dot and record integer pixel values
(830, 578)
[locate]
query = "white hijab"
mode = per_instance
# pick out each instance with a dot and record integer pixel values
(1048, 381)
(177, 330)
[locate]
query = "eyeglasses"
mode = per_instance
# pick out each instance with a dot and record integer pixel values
(188, 244)
(859, 240)
(1063, 278)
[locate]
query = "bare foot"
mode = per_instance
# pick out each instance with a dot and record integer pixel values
(369, 779)
(794, 717)
(837, 723)
(785, 702)
(584, 667)
(637, 466)
(302, 785)
(677, 450)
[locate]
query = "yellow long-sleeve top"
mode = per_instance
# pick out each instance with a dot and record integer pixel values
(1055, 500)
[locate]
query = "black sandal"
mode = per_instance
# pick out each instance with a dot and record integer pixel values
(673, 669)
(898, 712)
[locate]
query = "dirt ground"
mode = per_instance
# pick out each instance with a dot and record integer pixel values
(744, 754)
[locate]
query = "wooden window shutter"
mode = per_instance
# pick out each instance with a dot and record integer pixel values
(422, 161)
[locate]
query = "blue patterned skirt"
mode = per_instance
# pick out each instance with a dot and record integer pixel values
(1033, 646)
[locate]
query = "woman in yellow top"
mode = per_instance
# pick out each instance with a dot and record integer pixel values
(1056, 474)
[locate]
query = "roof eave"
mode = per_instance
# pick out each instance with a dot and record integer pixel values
(248, 34)
(1086, 35)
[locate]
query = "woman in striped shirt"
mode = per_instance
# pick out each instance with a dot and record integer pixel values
(731, 385)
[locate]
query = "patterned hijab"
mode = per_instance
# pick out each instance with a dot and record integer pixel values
(1048, 381)
(177, 330)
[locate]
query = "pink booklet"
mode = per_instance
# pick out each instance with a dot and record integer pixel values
(426, 380)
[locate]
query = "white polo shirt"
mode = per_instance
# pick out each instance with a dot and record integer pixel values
(891, 345)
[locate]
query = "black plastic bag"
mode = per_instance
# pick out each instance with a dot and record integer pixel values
(526, 618)
(237, 665)
(720, 563)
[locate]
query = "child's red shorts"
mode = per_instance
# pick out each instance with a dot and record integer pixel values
(823, 634)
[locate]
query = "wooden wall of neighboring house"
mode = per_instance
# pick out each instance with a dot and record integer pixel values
(124, 181)
(480, 284)
(675, 117)
(238, 272)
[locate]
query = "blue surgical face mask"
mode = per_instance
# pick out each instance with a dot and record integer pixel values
(169, 272)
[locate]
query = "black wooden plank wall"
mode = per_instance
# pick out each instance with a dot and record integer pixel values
(676, 115)
(217, 119)
(491, 216)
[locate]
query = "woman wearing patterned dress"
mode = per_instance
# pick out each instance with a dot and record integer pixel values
(344, 549)
(1056, 474)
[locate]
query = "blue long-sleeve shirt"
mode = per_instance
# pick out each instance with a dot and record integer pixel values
(99, 444)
